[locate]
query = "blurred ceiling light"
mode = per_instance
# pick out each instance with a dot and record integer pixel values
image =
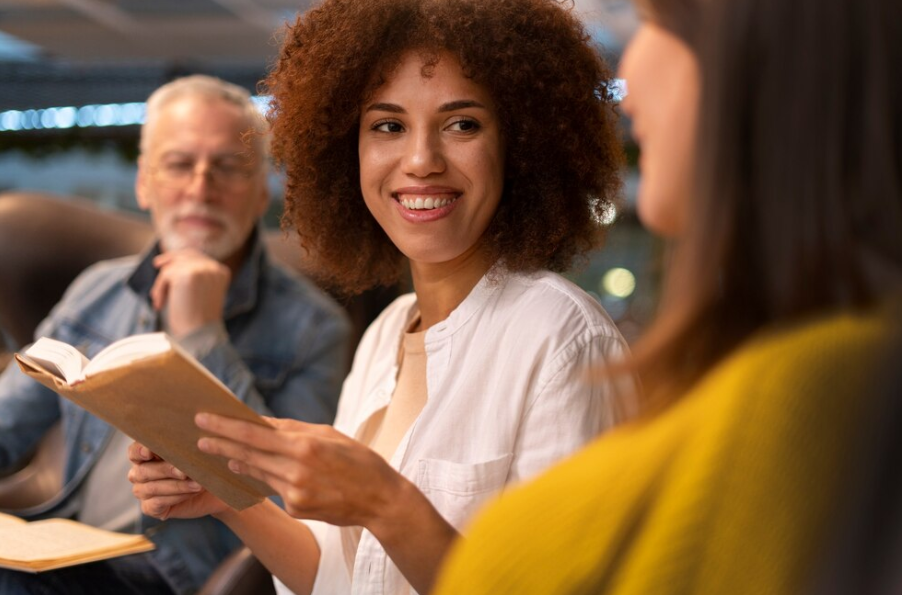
(86, 116)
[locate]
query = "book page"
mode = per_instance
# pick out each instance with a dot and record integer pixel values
(128, 350)
(58, 358)
(55, 539)
(8, 519)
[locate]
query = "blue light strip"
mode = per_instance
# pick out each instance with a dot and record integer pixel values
(87, 116)
(61, 118)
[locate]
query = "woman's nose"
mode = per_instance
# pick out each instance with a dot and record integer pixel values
(424, 154)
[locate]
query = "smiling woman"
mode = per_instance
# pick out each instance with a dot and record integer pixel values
(470, 140)
(541, 80)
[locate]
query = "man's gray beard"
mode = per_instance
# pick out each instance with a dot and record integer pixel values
(218, 248)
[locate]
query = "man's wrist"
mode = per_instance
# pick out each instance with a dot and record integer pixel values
(202, 340)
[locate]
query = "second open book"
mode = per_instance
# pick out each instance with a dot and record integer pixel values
(151, 389)
(57, 543)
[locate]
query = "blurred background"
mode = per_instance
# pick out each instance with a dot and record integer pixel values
(74, 75)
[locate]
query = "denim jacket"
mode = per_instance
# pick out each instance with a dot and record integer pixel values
(284, 355)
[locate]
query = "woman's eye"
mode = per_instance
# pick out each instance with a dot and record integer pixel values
(464, 125)
(388, 126)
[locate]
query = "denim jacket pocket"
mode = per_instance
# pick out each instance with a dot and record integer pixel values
(458, 490)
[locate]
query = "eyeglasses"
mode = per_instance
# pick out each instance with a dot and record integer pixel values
(225, 175)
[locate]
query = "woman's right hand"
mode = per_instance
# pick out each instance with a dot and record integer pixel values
(164, 491)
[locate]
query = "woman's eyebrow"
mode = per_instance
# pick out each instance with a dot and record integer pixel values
(459, 104)
(386, 107)
(445, 107)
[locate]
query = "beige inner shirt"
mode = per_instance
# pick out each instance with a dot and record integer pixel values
(386, 428)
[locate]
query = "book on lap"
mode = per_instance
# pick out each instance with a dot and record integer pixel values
(56, 543)
(150, 389)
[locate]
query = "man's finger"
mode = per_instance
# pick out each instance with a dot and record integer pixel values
(138, 453)
(154, 471)
(159, 290)
(169, 488)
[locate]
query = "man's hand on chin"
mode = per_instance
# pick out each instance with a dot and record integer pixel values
(192, 287)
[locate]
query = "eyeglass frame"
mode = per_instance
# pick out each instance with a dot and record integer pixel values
(217, 175)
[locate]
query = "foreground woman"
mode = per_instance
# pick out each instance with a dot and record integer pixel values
(767, 371)
(466, 138)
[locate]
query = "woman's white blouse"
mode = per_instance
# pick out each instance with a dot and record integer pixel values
(507, 397)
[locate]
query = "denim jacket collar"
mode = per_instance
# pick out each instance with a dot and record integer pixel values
(242, 294)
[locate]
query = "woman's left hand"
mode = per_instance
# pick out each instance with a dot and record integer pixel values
(320, 473)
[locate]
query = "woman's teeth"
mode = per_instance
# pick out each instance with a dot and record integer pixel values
(420, 203)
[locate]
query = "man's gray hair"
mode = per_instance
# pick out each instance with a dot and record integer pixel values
(210, 87)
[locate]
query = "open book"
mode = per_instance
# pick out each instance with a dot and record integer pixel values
(68, 363)
(55, 543)
(151, 389)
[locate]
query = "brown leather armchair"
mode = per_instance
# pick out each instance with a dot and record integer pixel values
(45, 242)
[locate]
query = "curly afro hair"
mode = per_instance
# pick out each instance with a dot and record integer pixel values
(563, 153)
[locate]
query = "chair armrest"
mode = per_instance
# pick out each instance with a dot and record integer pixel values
(40, 479)
(239, 574)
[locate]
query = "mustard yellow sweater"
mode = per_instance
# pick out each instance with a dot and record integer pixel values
(731, 490)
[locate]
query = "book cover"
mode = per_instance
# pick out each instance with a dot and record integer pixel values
(154, 400)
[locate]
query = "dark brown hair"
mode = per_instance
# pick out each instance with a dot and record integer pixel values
(549, 85)
(798, 209)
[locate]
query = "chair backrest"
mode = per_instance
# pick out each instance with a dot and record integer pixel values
(46, 242)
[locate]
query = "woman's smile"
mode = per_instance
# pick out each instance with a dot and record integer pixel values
(426, 204)
(427, 197)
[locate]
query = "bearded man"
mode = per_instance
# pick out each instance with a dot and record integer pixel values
(274, 339)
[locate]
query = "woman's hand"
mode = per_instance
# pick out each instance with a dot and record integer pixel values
(323, 475)
(320, 473)
(164, 491)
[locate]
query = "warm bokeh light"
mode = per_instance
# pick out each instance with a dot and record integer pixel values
(619, 282)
